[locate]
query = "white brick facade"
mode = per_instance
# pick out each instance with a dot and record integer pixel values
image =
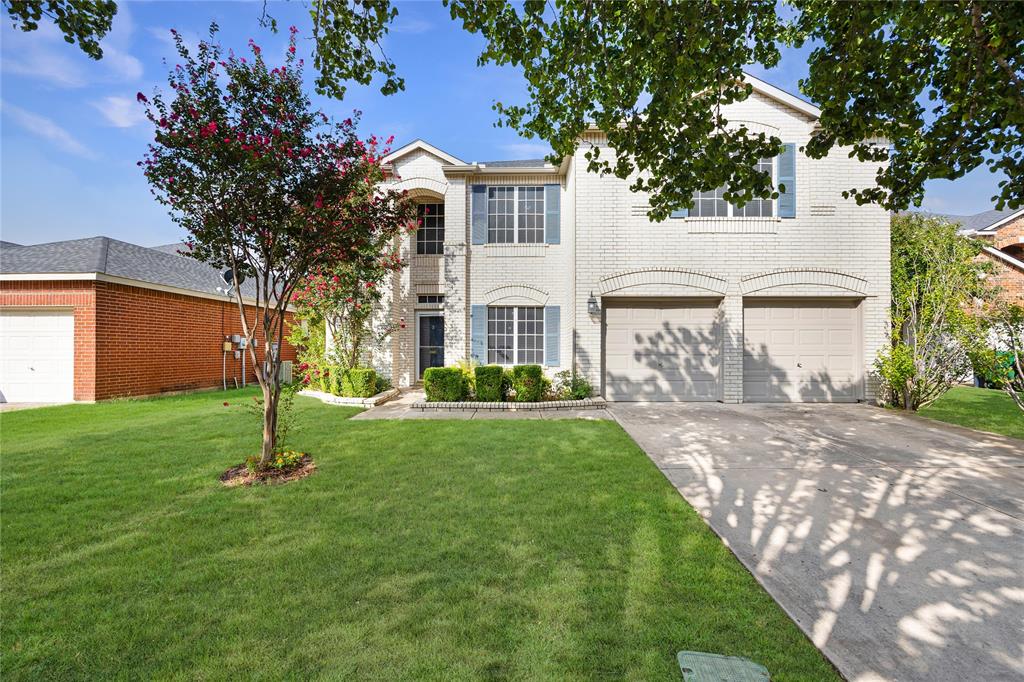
(609, 248)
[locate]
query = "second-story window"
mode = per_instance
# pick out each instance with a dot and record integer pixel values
(430, 235)
(713, 204)
(515, 215)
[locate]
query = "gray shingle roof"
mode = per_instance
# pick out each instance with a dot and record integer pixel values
(116, 258)
(515, 163)
(978, 221)
(8, 245)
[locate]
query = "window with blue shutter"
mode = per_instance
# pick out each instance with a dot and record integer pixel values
(478, 333)
(552, 335)
(553, 219)
(786, 179)
(478, 211)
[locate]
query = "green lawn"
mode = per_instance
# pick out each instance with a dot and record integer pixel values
(978, 408)
(419, 550)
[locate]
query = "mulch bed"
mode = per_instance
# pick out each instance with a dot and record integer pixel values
(240, 475)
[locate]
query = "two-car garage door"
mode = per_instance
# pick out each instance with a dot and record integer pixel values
(801, 351)
(671, 350)
(662, 350)
(37, 356)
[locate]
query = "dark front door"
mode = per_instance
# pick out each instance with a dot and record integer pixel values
(430, 352)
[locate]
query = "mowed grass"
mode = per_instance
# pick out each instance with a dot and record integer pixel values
(419, 550)
(978, 408)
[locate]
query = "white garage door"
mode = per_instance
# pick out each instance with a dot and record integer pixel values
(801, 351)
(662, 350)
(37, 356)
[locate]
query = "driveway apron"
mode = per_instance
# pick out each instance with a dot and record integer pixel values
(895, 542)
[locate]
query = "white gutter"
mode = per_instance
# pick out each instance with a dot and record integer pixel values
(1005, 256)
(482, 169)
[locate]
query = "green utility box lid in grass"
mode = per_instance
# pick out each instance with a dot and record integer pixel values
(700, 667)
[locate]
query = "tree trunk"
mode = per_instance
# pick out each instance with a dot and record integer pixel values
(270, 397)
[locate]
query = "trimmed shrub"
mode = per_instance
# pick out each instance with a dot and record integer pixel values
(491, 384)
(360, 382)
(444, 384)
(528, 383)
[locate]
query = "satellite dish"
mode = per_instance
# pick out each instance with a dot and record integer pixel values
(229, 277)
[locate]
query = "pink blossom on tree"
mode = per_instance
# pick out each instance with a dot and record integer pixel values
(267, 187)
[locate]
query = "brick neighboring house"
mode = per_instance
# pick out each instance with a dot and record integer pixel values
(529, 262)
(97, 318)
(1003, 234)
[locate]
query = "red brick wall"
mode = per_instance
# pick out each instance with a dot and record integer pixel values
(1009, 279)
(135, 341)
(81, 298)
(1010, 238)
(153, 342)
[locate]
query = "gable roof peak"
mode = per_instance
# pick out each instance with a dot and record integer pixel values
(422, 145)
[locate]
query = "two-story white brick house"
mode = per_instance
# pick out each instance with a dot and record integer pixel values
(527, 262)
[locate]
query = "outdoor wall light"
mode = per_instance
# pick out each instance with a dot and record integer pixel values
(592, 307)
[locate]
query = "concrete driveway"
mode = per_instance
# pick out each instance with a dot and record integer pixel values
(895, 542)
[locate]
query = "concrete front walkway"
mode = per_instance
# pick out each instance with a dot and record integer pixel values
(895, 542)
(401, 408)
(14, 407)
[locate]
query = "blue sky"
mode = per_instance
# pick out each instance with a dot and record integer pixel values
(72, 132)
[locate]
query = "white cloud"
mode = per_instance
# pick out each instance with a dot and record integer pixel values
(121, 112)
(123, 65)
(526, 150)
(411, 26)
(44, 55)
(43, 127)
(33, 54)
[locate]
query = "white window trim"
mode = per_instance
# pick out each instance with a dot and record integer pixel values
(515, 337)
(515, 215)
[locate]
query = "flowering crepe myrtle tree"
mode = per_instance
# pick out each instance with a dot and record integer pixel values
(266, 186)
(345, 299)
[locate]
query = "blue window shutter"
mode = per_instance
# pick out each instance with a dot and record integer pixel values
(787, 181)
(680, 213)
(552, 220)
(479, 214)
(552, 335)
(478, 333)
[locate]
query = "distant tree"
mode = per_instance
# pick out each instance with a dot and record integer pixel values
(266, 186)
(655, 74)
(937, 292)
(81, 21)
(1007, 360)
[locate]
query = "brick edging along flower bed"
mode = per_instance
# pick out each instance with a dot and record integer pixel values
(332, 399)
(585, 404)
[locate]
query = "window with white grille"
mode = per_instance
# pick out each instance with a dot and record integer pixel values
(430, 235)
(515, 215)
(515, 335)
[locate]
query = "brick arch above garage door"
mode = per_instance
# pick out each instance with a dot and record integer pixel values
(668, 277)
(789, 277)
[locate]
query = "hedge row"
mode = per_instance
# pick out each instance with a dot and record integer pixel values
(493, 383)
(361, 382)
